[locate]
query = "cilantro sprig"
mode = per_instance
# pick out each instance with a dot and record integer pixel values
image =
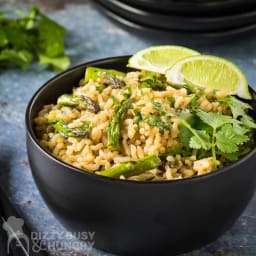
(26, 37)
(222, 135)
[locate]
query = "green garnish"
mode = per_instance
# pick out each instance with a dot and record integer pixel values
(225, 136)
(101, 88)
(171, 100)
(156, 121)
(30, 36)
(153, 81)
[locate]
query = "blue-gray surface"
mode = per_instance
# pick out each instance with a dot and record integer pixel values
(91, 36)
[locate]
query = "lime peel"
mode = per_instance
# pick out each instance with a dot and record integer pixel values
(159, 58)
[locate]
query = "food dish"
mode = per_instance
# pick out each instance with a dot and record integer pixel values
(114, 120)
(180, 22)
(178, 215)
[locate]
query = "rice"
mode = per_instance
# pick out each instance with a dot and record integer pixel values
(137, 139)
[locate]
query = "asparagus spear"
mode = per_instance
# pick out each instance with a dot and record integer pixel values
(98, 73)
(105, 77)
(133, 167)
(62, 128)
(113, 131)
(80, 102)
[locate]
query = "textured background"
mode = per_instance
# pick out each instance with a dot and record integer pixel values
(90, 36)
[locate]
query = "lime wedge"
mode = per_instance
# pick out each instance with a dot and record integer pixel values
(209, 72)
(159, 58)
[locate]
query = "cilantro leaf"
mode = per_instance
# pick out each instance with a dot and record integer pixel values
(20, 58)
(3, 38)
(50, 37)
(58, 63)
(236, 155)
(101, 88)
(227, 140)
(200, 140)
(248, 122)
(238, 108)
(197, 138)
(157, 106)
(31, 36)
(215, 120)
(239, 128)
(185, 133)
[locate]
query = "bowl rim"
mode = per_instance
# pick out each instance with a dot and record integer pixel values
(32, 136)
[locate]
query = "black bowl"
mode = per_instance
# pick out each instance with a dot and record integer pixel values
(129, 217)
(180, 22)
(193, 7)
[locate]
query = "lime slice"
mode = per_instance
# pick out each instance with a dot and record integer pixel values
(209, 72)
(159, 58)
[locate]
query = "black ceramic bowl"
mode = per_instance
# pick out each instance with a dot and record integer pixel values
(129, 217)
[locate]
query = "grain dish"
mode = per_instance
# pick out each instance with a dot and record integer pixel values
(136, 126)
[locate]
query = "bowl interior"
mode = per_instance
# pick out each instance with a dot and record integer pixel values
(64, 83)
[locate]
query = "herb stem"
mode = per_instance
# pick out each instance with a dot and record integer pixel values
(213, 149)
(187, 125)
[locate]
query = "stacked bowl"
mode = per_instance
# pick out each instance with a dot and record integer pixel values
(212, 18)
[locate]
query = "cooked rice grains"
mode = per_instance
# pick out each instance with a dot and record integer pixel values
(139, 136)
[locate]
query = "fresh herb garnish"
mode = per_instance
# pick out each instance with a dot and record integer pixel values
(153, 81)
(137, 116)
(171, 100)
(239, 109)
(156, 121)
(101, 88)
(26, 37)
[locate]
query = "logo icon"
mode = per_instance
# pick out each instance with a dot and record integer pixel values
(14, 229)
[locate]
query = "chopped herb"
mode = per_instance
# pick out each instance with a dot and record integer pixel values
(194, 101)
(127, 94)
(137, 116)
(153, 81)
(157, 106)
(173, 151)
(101, 88)
(156, 121)
(114, 99)
(171, 100)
